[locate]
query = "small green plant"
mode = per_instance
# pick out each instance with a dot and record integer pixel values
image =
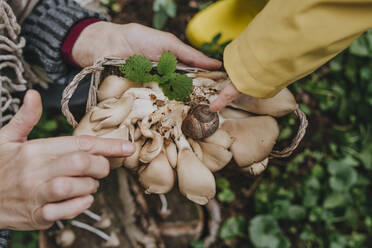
(25, 239)
(225, 194)
(111, 5)
(163, 9)
(175, 86)
(232, 228)
(214, 48)
(197, 244)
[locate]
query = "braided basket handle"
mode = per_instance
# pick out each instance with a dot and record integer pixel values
(96, 71)
(286, 152)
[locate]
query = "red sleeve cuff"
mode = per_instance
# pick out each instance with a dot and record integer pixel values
(71, 38)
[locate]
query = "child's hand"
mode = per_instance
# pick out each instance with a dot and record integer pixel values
(226, 96)
(108, 39)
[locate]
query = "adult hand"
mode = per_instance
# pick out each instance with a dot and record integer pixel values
(227, 95)
(45, 180)
(108, 39)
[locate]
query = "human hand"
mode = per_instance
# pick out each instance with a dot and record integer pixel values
(45, 180)
(227, 95)
(108, 39)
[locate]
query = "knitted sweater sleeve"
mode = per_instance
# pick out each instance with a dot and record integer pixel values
(4, 238)
(45, 30)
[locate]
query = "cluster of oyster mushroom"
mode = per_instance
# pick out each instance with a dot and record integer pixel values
(184, 140)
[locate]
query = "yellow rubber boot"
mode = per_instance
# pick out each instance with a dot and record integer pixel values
(228, 17)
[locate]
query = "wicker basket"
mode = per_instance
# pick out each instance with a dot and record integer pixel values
(100, 69)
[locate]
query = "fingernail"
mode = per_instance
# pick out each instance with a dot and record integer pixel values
(128, 148)
(212, 108)
(89, 199)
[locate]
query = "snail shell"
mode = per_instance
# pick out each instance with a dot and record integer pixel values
(200, 122)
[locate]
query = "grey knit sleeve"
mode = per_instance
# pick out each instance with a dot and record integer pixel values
(45, 30)
(4, 238)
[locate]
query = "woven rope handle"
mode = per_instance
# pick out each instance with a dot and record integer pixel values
(70, 89)
(97, 69)
(286, 152)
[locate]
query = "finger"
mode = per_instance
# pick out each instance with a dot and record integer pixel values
(26, 118)
(227, 95)
(193, 57)
(69, 209)
(62, 188)
(93, 145)
(79, 164)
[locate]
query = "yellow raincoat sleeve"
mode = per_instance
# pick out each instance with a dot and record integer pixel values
(290, 39)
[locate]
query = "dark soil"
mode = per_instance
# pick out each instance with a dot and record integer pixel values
(140, 11)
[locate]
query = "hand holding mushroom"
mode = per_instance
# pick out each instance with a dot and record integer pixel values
(182, 139)
(45, 180)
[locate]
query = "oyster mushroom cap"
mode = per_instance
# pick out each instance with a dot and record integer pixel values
(158, 176)
(254, 138)
(65, 238)
(203, 82)
(195, 180)
(86, 127)
(141, 108)
(171, 152)
(155, 87)
(229, 113)
(220, 137)
(215, 157)
(281, 104)
(104, 222)
(196, 148)
(145, 93)
(113, 87)
(256, 168)
(132, 162)
(112, 113)
(152, 148)
(137, 134)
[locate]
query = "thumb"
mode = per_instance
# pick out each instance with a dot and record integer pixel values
(193, 57)
(26, 118)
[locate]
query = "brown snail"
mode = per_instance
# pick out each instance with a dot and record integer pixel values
(200, 122)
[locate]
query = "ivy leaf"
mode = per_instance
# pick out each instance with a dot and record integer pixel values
(197, 244)
(177, 86)
(226, 195)
(169, 7)
(296, 212)
(222, 183)
(232, 228)
(343, 175)
(159, 19)
(363, 45)
(167, 63)
(264, 231)
(137, 68)
(366, 156)
(335, 200)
